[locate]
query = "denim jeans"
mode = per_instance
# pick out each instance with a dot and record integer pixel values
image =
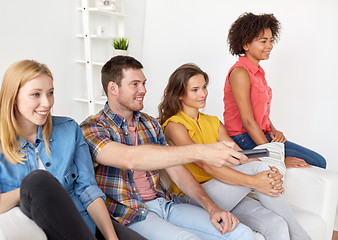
(122, 232)
(168, 220)
(245, 142)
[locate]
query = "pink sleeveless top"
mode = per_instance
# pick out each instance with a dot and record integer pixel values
(260, 96)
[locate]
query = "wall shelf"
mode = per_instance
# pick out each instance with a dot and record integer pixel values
(96, 101)
(103, 37)
(102, 11)
(113, 24)
(96, 63)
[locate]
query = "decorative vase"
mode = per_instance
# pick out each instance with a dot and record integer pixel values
(106, 4)
(120, 52)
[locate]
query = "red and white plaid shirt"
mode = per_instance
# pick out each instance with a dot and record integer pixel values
(123, 200)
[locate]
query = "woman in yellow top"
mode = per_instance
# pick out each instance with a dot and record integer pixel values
(183, 124)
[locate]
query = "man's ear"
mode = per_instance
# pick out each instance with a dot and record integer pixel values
(246, 47)
(112, 88)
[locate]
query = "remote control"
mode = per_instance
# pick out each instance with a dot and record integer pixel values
(256, 153)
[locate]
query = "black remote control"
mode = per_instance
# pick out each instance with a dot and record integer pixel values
(256, 153)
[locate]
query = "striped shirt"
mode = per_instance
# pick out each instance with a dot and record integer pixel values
(123, 200)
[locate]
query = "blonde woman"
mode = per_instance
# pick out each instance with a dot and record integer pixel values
(45, 164)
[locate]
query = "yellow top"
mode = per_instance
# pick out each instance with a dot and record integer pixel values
(206, 131)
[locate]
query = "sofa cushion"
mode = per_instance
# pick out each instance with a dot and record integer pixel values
(16, 225)
(313, 224)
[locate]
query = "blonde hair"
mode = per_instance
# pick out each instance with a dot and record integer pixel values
(18, 74)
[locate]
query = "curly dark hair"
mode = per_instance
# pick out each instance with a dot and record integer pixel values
(249, 26)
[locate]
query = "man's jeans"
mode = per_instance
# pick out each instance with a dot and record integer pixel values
(245, 142)
(168, 220)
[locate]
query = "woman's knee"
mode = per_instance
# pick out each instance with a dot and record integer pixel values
(40, 186)
(253, 168)
(36, 180)
(320, 161)
(32, 188)
(260, 166)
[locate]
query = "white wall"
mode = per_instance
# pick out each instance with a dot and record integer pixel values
(301, 70)
(45, 30)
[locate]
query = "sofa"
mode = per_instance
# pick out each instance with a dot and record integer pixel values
(311, 192)
(313, 196)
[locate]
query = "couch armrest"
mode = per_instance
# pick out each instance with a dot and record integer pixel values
(314, 190)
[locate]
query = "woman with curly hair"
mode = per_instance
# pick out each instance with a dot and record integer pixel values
(183, 124)
(247, 96)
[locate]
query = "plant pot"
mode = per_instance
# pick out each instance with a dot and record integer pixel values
(120, 52)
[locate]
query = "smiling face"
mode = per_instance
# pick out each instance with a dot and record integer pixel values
(34, 102)
(130, 95)
(195, 95)
(260, 47)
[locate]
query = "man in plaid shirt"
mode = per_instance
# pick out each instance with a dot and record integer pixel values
(128, 147)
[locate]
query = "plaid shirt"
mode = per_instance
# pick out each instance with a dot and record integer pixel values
(123, 200)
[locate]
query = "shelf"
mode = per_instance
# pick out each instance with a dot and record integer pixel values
(96, 63)
(103, 11)
(92, 41)
(101, 101)
(104, 37)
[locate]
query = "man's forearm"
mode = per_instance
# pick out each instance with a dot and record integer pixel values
(189, 186)
(152, 157)
(144, 157)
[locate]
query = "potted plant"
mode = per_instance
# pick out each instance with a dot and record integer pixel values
(121, 45)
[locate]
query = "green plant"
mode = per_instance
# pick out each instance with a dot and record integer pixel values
(121, 43)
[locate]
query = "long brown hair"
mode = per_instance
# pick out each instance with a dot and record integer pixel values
(18, 74)
(176, 87)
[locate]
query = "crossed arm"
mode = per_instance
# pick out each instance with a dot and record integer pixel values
(268, 182)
